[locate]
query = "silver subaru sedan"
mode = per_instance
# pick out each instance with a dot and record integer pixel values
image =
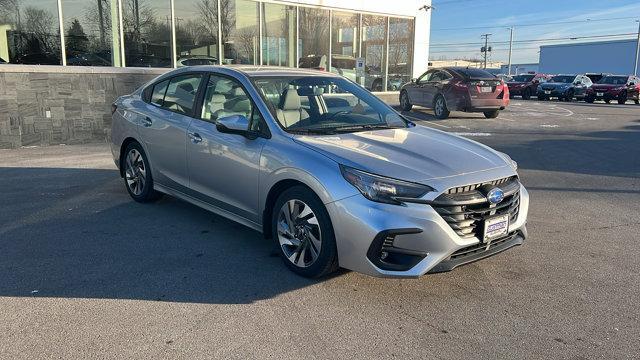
(319, 165)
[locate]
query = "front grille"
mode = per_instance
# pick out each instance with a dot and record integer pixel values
(481, 247)
(465, 208)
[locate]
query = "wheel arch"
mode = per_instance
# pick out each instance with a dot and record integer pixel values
(123, 147)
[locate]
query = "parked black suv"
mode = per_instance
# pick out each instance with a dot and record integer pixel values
(564, 87)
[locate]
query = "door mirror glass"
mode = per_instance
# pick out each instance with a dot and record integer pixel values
(414, 80)
(233, 124)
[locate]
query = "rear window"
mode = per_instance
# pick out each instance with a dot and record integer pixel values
(181, 93)
(523, 78)
(614, 80)
(475, 73)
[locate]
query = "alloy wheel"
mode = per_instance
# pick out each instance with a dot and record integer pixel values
(299, 233)
(135, 172)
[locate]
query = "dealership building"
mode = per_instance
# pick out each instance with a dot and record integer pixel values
(58, 89)
(614, 56)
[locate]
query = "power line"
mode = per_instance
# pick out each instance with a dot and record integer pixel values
(534, 24)
(538, 40)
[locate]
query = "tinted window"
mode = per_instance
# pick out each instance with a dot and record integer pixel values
(181, 93)
(474, 73)
(225, 97)
(523, 78)
(562, 79)
(614, 80)
(158, 92)
(194, 62)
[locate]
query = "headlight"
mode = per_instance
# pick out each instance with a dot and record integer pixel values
(383, 189)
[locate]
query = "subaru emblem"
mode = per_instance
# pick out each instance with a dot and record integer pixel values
(495, 195)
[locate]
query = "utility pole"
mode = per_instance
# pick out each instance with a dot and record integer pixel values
(635, 69)
(510, 48)
(485, 49)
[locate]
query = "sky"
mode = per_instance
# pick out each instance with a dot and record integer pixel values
(464, 21)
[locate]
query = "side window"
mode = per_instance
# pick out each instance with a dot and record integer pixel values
(425, 77)
(225, 97)
(181, 93)
(157, 96)
(436, 76)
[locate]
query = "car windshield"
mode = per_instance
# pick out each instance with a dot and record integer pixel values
(613, 80)
(562, 79)
(325, 105)
(523, 78)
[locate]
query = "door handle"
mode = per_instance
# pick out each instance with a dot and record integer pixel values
(146, 122)
(195, 137)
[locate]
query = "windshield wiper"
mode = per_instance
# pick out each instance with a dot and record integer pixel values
(364, 127)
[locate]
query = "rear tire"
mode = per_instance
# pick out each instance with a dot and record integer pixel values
(137, 174)
(590, 100)
(302, 230)
(405, 104)
(440, 109)
(569, 96)
(637, 101)
(526, 95)
(491, 114)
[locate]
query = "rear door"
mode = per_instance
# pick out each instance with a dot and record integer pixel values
(416, 89)
(224, 168)
(164, 128)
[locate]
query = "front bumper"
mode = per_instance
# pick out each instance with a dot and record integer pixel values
(423, 233)
(552, 93)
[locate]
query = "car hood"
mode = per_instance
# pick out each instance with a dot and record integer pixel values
(606, 86)
(414, 154)
(549, 86)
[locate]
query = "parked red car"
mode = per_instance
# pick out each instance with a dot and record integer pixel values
(526, 85)
(615, 87)
(456, 89)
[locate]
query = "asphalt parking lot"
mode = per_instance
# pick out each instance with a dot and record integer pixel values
(86, 272)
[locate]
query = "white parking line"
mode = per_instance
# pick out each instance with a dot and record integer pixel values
(472, 134)
(430, 122)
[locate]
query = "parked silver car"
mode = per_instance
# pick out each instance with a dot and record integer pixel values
(333, 175)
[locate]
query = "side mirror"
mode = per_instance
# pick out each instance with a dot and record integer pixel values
(536, 81)
(414, 80)
(235, 124)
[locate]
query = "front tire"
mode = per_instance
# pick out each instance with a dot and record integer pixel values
(622, 99)
(137, 174)
(440, 109)
(590, 99)
(569, 96)
(491, 114)
(302, 230)
(542, 97)
(526, 95)
(405, 103)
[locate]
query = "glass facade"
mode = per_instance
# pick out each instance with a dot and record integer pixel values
(197, 35)
(240, 32)
(313, 38)
(175, 33)
(91, 32)
(147, 33)
(278, 35)
(30, 32)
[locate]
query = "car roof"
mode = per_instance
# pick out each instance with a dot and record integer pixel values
(257, 70)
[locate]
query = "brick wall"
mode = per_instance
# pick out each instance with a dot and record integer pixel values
(47, 105)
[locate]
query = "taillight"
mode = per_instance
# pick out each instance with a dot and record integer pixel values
(114, 107)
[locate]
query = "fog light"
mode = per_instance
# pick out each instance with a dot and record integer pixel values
(383, 255)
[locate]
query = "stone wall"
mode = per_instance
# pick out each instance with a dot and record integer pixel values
(47, 105)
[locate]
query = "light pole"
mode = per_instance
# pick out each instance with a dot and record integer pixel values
(510, 48)
(635, 68)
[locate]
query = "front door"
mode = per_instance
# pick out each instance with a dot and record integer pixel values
(416, 90)
(164, 128)
(224, 168)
